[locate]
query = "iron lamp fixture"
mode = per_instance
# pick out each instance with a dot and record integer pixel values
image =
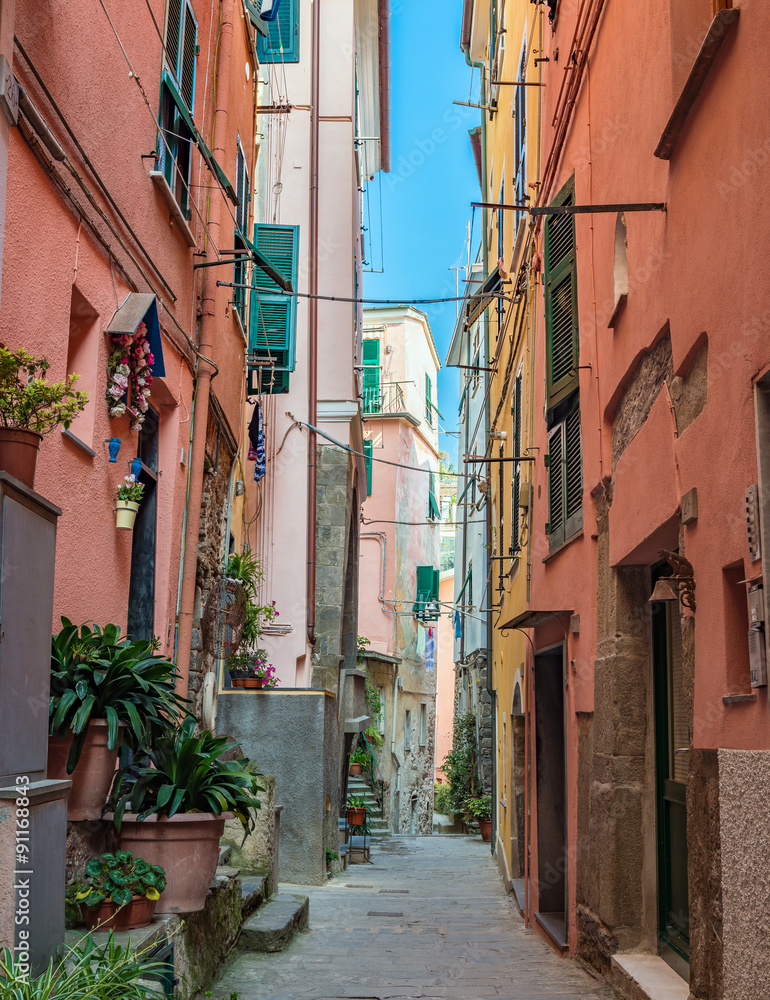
(680, 586)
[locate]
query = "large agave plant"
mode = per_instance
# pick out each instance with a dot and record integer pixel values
(96, 674)
(187, 775)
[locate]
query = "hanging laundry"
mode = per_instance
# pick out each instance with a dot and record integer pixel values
(457, 621)
(257, 442)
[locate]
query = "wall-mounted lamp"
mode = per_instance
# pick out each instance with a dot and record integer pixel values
(679, 586)
(136, 467)
(114, 448)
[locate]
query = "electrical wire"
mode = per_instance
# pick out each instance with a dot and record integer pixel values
(387, 302)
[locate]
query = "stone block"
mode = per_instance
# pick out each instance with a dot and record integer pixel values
(272, 927)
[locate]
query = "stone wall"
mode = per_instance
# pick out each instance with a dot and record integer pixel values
(254, 853)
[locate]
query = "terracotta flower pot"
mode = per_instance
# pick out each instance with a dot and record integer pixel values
(125, 514)
(252, 683)
(18, 453)
(485, 827)
(185, 846)
(356, 817)
(92, 778)
(355, 769)
(109, 916)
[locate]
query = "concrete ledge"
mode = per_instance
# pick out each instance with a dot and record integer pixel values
(647, 977)
(276, 923)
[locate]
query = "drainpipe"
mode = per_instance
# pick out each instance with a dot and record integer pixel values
(205, 370)
(312, 355)
(383, 556)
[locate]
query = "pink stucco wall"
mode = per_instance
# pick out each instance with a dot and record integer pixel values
(445, 677)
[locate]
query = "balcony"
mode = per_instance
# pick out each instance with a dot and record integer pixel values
(386, 397)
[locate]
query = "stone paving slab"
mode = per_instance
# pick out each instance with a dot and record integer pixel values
(274, 925)
(460, 938)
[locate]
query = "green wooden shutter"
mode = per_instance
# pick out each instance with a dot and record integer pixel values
(173, 26)
(556, 480)
(273, 315)
(434, 511)
(282, 41)
(371, 379)
(369, 463)
(428, 400)
(573, 491)
(561, 310)
(424, 590)
(186, 75)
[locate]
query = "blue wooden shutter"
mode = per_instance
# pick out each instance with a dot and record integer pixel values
(182, 48)
(281, 43)
(272, 314)
(561, 308)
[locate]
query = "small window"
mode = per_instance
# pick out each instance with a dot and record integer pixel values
(565, 476)
(273, 315)
(82, 360)
(407, 730)
(370, 359)
(426, 607)
(423, 724)
(561, 305)
(281, 44)
(381, 714)
(368, 453)
(243, 195)
(175, 152)
(516, 479)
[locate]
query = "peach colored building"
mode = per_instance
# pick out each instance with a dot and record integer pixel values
(398, 604)
(445, 676)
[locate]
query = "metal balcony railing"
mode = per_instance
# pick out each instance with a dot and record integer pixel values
(387, 397)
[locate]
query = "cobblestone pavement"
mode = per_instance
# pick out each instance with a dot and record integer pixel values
(427, 918)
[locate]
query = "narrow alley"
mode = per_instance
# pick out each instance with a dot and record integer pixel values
(427, 918)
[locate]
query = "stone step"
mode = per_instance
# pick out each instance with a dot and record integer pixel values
(273, 926)
(252, 893)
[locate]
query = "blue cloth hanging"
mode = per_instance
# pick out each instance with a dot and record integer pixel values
(257, 443)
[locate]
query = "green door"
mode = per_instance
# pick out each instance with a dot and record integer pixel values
(671, 749)
(371, 363)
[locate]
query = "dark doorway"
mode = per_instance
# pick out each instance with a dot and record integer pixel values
(671, 758)
(551, 794)
(141, 597)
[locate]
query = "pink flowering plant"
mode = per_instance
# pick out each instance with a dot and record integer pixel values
(253, 663)
(130, 377)
(130, 489)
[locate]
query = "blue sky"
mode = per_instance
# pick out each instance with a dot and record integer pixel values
(426, 196)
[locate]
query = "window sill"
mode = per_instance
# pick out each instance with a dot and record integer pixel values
(738, 699)
(709, 50)
(239, 324)
(159, 180)
(77, 442)
(564, 544)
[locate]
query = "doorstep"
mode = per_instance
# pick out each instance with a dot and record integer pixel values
(555, 926)
(647, 977)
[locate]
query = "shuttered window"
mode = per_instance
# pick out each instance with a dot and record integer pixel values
(561, 308)
(500, 518)
(241, 222)
(281, 44)
(434, 511)
(428, 400)
(516, 479)
(369, 464)
(371, 379)
(181, 48)
(426, 607)
(272, 314)
(565, 477)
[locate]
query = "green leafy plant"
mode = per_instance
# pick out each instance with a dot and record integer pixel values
(107, 972)
(331, 856)
(356, 802)
(188, 775)
(372, 700)
(116, 878)
(362, 643)
(253, 663)
(27, 401)
(247, 569)
(130, 489)
(461, 765)
(480, 807)
(441, 803)
(374, 738)
(97, 675)
(360, 757)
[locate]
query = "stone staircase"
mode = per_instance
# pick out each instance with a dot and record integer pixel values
(359, 786)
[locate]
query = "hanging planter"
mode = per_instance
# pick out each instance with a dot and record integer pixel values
(125, 514)
(129, 372)
(127, 500)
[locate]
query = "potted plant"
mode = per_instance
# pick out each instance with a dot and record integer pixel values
(127, 500)
(356, 806)
(359, 761)
(104, 689)
(480, 809)
(29, 408)
(178, 807)
(118, 892)
(251, 670)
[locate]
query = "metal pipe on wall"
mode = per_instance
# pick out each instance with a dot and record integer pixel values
(204, 369)
(312, 351)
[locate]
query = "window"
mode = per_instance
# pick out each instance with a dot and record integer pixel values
(423, 724)
(561, 313)
(368, 453)
(177, 101)
(428, 400)
(501, 220)
(241, 224)
(516, 480)
(273, 315)
(565, 475)
(426, 606)
(500, 518)
(371, 381)
(381, 714)
(520, 140)
(407, 730)
(434, 513)
(82, 360)
(281, 44)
